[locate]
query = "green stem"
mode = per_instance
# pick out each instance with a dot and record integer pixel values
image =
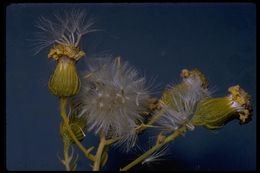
(98, 155)
(170, 138)
(63, 102)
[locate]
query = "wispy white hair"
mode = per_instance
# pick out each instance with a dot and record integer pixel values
(185, 101)
(65, 28)
(157, 155)
(112, 96)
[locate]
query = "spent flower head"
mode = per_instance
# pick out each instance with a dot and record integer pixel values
(64, 33)
(214, 113)
(178, 102)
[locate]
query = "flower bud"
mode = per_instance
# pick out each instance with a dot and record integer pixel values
(77, 125)
(65, 81)
(214, 113)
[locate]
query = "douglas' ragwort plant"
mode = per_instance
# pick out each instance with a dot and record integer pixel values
(115, 102)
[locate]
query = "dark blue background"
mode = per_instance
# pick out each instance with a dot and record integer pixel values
(160, 40)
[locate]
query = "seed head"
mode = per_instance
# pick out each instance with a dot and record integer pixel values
(113, 96)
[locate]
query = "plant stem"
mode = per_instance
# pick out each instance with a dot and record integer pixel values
(140, 128)
(98, 155)
(63, 102)
(149, 123)
(170, 138)
(66, 159)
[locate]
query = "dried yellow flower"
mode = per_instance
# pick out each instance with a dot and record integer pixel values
(237, 94)
(197, 74)
(69, 51)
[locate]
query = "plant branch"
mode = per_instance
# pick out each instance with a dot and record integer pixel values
(66, 159)
(140, 128)
(98, 155)
(63, 102)
(157, 146)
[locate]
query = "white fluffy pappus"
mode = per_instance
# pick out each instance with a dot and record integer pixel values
(112, 96)
(65, 28)
(157, 155)
(186, 101)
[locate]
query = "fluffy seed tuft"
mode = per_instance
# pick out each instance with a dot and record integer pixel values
(66, 29)
(113, 96)
(178, 102)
